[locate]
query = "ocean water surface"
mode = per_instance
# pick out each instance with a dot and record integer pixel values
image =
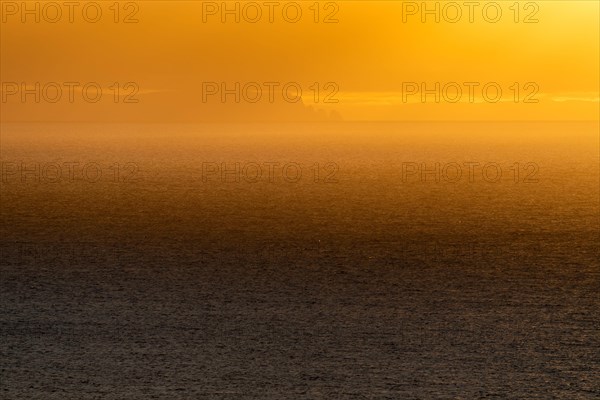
(300, 261)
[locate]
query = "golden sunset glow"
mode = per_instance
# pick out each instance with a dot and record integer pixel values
(298, 200)
(367, 49)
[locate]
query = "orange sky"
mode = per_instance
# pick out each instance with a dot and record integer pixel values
(369, 55)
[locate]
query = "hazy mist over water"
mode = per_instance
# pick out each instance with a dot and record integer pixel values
(366, 279)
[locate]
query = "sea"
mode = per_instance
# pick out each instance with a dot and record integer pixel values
(341, 260)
